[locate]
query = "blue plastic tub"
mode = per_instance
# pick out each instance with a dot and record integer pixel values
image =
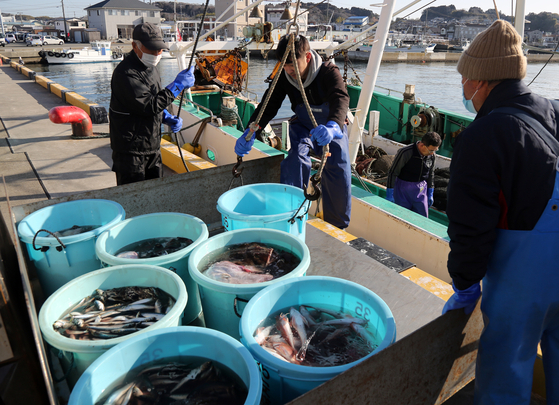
(283, 381)
(265, 205)
(165, 224)
(222, 302)
(56, 265)
(79, 354)
(160, 344)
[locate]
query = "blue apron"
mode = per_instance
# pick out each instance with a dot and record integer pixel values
(520, 306)
(336, 176)
(412, 195)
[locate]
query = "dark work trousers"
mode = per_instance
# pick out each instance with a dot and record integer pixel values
(133, 168)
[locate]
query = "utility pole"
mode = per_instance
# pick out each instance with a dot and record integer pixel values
(66, 36)
(2, 22)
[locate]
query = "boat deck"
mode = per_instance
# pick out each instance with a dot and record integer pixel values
(42, 165)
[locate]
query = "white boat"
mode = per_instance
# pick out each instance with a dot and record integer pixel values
(100, 51)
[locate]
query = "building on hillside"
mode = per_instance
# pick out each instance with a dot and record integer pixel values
(117, 18)
(225, 9)
(355, 23)
(274, 15)
(468, 31)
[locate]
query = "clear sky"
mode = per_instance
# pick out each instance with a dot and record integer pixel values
(53, 8)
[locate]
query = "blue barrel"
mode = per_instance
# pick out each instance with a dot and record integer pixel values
(283, 381)
(77, 355)
(265, 205)
(164, 224)
(223, 303)
(181, 341)
(58, 261)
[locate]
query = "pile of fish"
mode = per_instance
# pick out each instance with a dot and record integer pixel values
(315, 337)
(76, 230)
(179, 384)
(248, 263)
(108, 314)
(153, 247)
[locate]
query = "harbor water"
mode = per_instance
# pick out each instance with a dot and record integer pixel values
(436, 83)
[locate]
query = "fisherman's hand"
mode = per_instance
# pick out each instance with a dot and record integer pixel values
(323, 134)
(466, 299)
(390, 194)
(184, 80)
(174, 122)
(242, 146)
(430, 192)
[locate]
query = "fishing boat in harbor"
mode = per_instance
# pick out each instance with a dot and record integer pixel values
(99, 51)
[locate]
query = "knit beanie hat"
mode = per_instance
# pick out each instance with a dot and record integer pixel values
(494, 54)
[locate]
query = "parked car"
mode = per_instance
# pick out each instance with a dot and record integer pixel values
(48, 40)
(10, 38)
(34, 39)
(2, 39)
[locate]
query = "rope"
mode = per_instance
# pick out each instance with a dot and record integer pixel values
(230, 114)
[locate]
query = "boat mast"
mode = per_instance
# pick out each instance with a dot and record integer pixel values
(357, 127)
(519, 17)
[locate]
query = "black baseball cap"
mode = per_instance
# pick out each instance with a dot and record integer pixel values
(150, 36)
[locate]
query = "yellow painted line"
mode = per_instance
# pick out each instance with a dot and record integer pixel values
(42, 80)
(56, 89)
(432, 284)
(331, 230)
(171, 158)
(79, 101)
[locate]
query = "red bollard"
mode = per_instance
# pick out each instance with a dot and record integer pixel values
(81, 123)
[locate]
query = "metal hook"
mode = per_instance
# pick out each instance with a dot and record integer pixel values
(237, 173)
(312, 191)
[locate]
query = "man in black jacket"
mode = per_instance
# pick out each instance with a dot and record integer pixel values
(138, 107)
(503, 196)
(329, 101)
(411, 176)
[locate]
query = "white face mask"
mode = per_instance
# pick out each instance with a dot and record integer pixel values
(150, 60)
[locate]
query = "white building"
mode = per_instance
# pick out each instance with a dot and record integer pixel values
(117, 18)
(274, 14)
(228, 8)
(71, 23)
(468, 31)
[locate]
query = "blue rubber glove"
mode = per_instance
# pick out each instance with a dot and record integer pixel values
(466, 299)
(175, 123)
(184, 80)
(323, 134)
(242, 146)
(390, 194)
(430, 192)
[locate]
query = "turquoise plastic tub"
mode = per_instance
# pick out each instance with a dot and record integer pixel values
(79, 354)
(265, 205)
(160, 344)
(283, 381)
(222, 302)
(165, 224)
(55, 264)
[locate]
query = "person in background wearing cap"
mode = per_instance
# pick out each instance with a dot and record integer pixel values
(329, 101)
(503, 195)
(139, 106)
(411, 177)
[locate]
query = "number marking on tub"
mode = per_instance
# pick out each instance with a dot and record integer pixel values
(362, 311)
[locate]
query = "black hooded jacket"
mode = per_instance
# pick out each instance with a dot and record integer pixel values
(502, 177)
(137, 103)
